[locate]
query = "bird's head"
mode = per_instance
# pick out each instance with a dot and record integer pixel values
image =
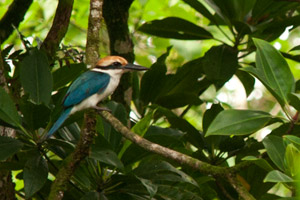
(116, 65)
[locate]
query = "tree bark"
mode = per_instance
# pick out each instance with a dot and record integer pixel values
(115, 13)
(59, 27)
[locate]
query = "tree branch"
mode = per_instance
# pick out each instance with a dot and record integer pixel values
(13, 16)
(93, 38)
(65, 173)
(115, 14)
(180, 158)
(59, 27)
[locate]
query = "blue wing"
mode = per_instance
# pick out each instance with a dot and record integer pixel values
(84, 86)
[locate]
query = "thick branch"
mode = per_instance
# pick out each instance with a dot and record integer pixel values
(59, 27)
(115, 14)
(13, 17)
(93, 37)
(65, 173)
(183, 159)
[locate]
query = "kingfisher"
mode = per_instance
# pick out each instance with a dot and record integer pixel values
(93, 86)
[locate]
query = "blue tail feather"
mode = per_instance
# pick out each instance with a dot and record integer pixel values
(64, 115)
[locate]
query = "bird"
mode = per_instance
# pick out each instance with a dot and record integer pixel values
(93, 86)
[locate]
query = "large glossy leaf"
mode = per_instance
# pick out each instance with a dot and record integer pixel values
(154, 79)
(276, 150)
(177, 28)
(295, 100)
(65, 74)
(220, 64)
(8, 111)
(278, 177)
(238, 122)
(259, 162)
(35, 175)
(35, 77)
(273, 71)
(8, 147)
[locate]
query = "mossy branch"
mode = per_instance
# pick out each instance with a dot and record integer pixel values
(81, 151)
(205, 168)
(93, 37)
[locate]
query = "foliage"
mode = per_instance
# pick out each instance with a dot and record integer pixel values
(199, 46)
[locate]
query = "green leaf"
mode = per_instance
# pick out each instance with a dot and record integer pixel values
(292, 158)
(35, 175)
(66, 74)
(179, 99)
(293, 139)
(259, 162)
(151, 188)
(238, 122)
(154, 79)
(139, 128)
(276, 176)
(102, 151)
(8, 111)
(35, 77)
(198, 6)
(220, 64)
(91, 196)
(295, 100)
(296, 48)
(210, 115)
(247, 80)
(8, 147)
(276, 150)
(273, 71)
(177, 28)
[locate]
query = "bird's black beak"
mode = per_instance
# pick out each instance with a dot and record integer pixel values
(131, 66)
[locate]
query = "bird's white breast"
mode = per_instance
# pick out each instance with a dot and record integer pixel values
(96, 98)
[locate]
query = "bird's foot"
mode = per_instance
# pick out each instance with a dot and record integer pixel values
(102, 109)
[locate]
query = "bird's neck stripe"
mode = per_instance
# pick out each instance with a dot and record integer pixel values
(109, 67)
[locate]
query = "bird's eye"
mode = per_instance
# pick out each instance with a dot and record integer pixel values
(117, 64)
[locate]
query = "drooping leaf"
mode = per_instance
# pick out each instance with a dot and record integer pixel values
(220, 64)
(103, 152)
(8, 111)
(35, 77)
(247, 80)
(273, 71)
(8, 147)
(177, 28)
(238, 122)
(276, 150)
(278, 177)
(35, 175)
(151, 188)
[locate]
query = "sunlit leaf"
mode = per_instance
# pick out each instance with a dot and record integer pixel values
(276, 150)
(278, 177)
(273, 71)
(238, 122)
(292, 158)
